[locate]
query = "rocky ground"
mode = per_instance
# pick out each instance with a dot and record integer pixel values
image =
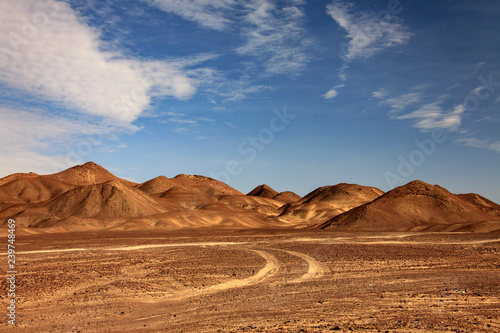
(257, 281)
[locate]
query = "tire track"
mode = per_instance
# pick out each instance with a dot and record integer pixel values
(315, 270)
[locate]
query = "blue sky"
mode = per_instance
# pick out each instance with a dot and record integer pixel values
(295, 94)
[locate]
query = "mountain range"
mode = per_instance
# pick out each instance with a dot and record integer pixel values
(88, 197)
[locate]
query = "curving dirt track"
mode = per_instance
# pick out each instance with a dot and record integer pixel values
(258, 282)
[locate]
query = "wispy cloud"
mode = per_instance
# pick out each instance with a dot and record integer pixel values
(433, 116)
(238, 90)
(276, 35)
(367, 34)
(399, 103)
(332, 93)
(381, 93)
(208, 13)
(65, 61)
(480, 143)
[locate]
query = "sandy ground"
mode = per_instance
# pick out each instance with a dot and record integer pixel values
(256, 281)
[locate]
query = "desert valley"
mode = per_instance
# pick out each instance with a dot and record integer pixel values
(96, 253)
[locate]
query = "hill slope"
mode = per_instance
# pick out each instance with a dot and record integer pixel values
(88, 197)
(329, 201)
(86, 174)
(414, 206)
(265, 191)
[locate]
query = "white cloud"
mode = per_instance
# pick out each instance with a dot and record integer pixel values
(183, 121)
(480, 143)
(477, 90)
(432, 116)
(219, 109)
(453, 86)
(48, 51)
(206, 119)
(208, 13)
(367, 34)
(238, 90)
(380, 94)
(495, 146)
(276, 35)
(399, 103)
(473, 142)
(34, 140)
(332, 93)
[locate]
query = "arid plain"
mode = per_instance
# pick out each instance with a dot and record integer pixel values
(258, 281)
(190, 254)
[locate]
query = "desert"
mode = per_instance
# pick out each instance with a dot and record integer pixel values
(191, 254)
(250, 166)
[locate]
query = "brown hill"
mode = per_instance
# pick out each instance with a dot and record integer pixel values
(34, 189)
(329, 201)
(481, 202)
(112, 199)
(88, 197)
(414, 206)
(86, 174)
(15, 176)
(269, 207)
(157, 185)
(207, 185)
(265, 191)
(287, 196)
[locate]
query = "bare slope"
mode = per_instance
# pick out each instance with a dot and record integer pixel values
(414, 206)
(265, 191)
(86, 174)
(34, 189)
(112, 199)
(329, 201)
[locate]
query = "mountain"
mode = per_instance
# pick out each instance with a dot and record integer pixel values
(112, 199)
(156, 185)
(329, 201)
(207, 185)
(482, 203)
(34, 188)
(265, 191)
(287, 196)
(88, 197)
(15, 176)
(269, 207)
(415, 206)
(89, 173)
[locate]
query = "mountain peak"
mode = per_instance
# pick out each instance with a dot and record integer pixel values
(264, 191)
(89, 173)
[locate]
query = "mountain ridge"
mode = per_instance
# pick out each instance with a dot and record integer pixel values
(89, 197)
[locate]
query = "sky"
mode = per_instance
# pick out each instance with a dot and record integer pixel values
(295, 94)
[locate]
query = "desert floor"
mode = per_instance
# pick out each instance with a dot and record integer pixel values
(256, 281)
